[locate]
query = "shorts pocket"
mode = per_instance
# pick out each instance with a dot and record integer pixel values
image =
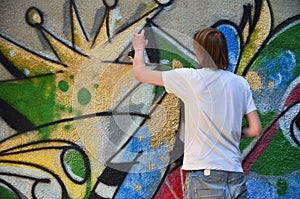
(209, 193)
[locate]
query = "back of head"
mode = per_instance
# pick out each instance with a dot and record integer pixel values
(211, 49)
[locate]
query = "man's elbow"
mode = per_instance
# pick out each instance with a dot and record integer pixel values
(257, 130)
(137, 75)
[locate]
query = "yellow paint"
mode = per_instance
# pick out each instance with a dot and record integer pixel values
(248, 53)
(151, 166)
(254, 80)
(259, 35)
(48, 90)
(164, 121)
(140, 138)
(46, 158)
(138, 187)
(23, 59)
(87, 72)
(270, 84)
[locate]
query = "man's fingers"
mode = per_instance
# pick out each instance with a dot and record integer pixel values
(141, 33)
(140, 37)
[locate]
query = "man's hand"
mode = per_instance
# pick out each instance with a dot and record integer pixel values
(253, 128)
(139, 42)
(140, 72)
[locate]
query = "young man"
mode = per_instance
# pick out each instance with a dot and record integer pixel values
(215, 101)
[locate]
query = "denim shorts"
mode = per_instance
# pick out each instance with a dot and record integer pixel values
(215, 184)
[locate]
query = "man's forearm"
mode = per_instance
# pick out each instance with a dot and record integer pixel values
(253, 128)
(248, 132)
(140, 72)
(245, 132)
(138, 60)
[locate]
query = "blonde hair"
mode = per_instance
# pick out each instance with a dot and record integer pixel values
(211, 49)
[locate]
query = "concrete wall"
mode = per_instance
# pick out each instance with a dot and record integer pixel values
(75, 124)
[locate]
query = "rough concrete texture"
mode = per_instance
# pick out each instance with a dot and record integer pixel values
(75, 123)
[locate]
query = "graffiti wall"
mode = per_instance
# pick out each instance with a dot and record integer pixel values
(76, 124)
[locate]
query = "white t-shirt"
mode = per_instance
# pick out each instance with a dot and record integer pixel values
(215, 102)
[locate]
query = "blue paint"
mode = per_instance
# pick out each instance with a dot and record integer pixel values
(279, 69)
(142, 181)
(233, 44)
(267, 188)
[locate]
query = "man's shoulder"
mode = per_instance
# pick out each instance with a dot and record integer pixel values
(233, 75)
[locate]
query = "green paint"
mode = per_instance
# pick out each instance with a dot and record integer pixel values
(84, 96)
(88, 188)
(280, 158)
(248, 52)
(63, 86)
(170, 51)
(286, 40)
(60, 108)
(33, 98)
(245, 143)
(67, 127)
(265, 120)
(185, 61)
(76, 163)
(77, 113)
(96, 85)
(167, 55)
(282, 187)
(7, 194)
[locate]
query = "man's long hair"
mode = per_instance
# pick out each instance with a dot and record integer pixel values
(211, 49)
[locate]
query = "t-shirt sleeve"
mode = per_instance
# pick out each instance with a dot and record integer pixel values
(249, 105)
(177, 81)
